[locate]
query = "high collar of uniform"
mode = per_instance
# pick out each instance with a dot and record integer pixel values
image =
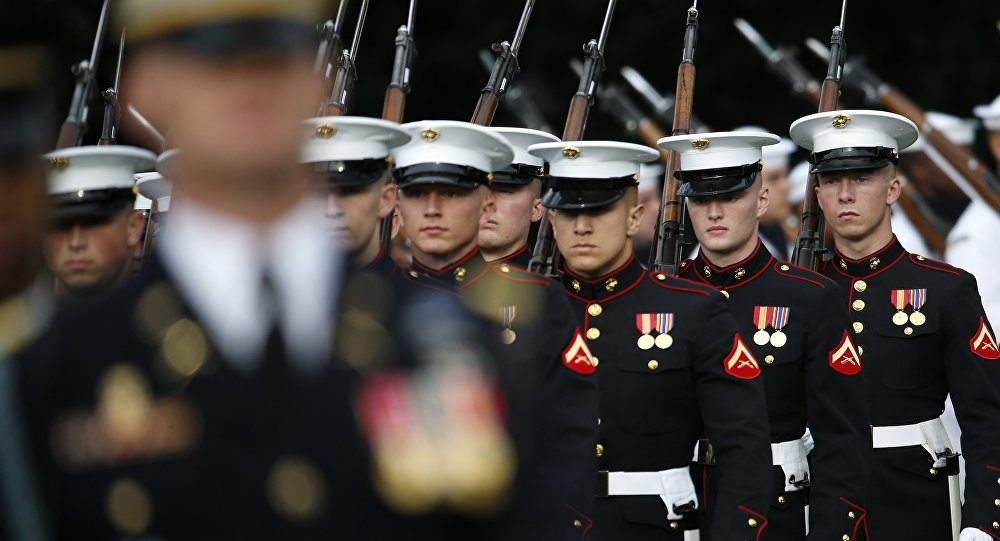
(870, 264)
(460, 273)
(519, 257)
(609, 285)
(736, 274)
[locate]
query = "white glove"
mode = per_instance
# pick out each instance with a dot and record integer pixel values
(678, 490)
(807, 441)
(974, 534)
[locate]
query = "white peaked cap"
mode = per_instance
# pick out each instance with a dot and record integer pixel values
(989, 114)
(521, 139)
(773, 155)
(348, 138)
(455, 143)
(593, 159)
(166, 163)
(650, 175)
(155, 186)
(820, 132)
(81, 169)
(718, 150)
(142, 203)
(798, 177)
(960, 131)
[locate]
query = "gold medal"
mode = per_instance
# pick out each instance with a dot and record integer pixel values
(508, 336)
(664, 341)
(900, 319)
(761, 337)
(778, 339)
(645, 341)
(918, 318)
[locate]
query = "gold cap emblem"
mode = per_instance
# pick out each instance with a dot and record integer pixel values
(841, 121)
(571, 152)
(59, 163)
(326, 131)
(430, 135)
(700, 144)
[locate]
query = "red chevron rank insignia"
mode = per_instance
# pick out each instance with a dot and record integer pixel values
(983, 344)
(844, 358)
(740, 362)
(577, 356)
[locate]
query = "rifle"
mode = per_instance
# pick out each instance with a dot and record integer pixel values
(973, 177)
(663, 105)
(330, 42)
(399, 85)
(152, 133)
(613, 100)
(504, 68)
(668, 236)
(518, 100)
(343, 81)
(786, 67)
(809, 245)
(545, 256)
(75, 125)
(112, 109)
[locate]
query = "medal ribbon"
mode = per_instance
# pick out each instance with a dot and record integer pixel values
(508, 312)
(918, 297)
(779, 316)
(760, 316)
(644, 322)
(664, 323)
(901, 297)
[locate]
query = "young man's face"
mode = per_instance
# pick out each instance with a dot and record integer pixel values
(776, 181)
(650, 200)
(856, 203)
(92, 253)
(595, 242)
(354, 212)
(508, 215)
(23, 213)
(240, 114)
(727, 223)
(442, 222)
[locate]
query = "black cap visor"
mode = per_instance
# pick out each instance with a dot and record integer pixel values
(852, 159)
(519, 174)
(90, 205)
(350, 173)
(585, 193)
(283, 37)
(460, 176)
(709, 182)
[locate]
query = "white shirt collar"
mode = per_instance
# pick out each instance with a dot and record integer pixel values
(217, 262)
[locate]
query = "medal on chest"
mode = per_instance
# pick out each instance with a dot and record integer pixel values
(775, 317)
(662, 323)
(901, 298)
(507, 336)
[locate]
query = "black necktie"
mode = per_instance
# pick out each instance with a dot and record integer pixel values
(275, 372)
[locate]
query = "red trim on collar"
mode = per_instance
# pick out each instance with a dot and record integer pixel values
(752, 255)
(567, 270)
(474, 279)
(872, 275)
(625, 290)
(511, 256)
(862, 259)
(462, 260)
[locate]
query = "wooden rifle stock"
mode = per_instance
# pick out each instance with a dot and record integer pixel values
(486, 108)
(69, 134)
(394, 105)
(334, 110)
(576, 119)
(649, 133)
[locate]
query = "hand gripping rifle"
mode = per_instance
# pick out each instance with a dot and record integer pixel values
(504, 68)
(668, 236)
(113, 109)
(330, 42)
(343, 81)
(545, 257)
(75, 125)
(399, 85)
(968, 173)
(809, 243)
(783, 63)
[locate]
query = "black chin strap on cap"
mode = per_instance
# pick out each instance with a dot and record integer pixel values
(441, 173)
(850, 158)
(708, 182)
(519, 173)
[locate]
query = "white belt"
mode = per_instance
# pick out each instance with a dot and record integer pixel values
(791, 456)
(674, 487)
(931, 435)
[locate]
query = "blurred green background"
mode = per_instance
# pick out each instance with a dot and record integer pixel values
(944, 55)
